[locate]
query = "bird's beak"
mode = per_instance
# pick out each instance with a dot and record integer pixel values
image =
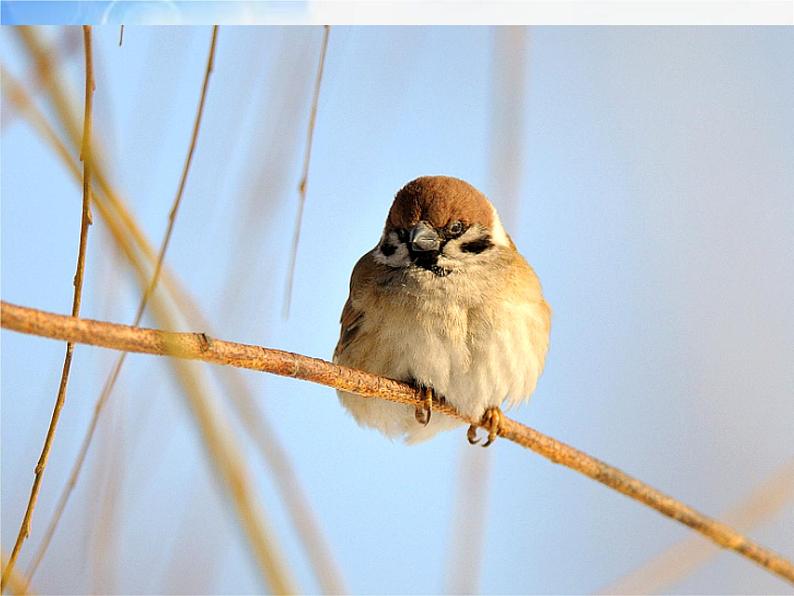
(422, 238)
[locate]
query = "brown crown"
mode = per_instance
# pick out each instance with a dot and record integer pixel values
(439, 200)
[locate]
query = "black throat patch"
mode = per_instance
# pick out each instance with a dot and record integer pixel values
(430, 263)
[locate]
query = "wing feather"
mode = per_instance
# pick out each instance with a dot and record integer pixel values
(352, 316)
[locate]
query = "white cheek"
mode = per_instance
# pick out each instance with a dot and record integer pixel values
(400, 257)
(498, 234)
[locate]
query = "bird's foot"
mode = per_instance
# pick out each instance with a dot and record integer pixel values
(491, 421)
(425, 408)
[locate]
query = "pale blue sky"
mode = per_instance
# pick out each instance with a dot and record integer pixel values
(654, 200)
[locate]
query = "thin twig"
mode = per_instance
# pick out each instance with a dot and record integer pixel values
(221, 447)
(63, 108)
(85, 221)
(305, 175)
(113, 209)
(116, 370)
(109, 202)
(16, 584)
(198, 346)
(121, 35)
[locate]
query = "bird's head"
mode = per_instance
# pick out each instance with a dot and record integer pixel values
(440, 224)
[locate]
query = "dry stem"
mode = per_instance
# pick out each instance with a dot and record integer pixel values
(113, 209)
(299, 509)
(16, 583)
(198, 346)
(305, 175)
(85, 221)
(221, 447)
(116, 370)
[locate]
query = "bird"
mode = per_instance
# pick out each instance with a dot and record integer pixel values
(446, 303)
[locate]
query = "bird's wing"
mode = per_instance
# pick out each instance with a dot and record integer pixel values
(353, 317)
(351, 321)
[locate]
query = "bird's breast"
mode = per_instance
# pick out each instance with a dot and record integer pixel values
(474, 355)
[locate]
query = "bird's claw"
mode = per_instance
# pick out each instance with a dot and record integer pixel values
(424, 409)
(491, 421)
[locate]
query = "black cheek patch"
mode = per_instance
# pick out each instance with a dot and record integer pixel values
(477, 246)
(388, 249)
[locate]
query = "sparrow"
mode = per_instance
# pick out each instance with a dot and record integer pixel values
(446, 303)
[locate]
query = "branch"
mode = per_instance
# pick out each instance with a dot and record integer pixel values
(149, 289)
(140, 253)
(16, 584)
(307, 156)
(198, 346)
(85, 221)
(221, 446)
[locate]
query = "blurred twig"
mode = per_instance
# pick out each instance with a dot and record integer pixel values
(467, 540)
(220, 444)
(505, 163)
(198, 346)
(116, 370)
(683, 558)
(305, 175)
(223, 452)
(85, 221)
(62, 106)
(297, 505)
(272, 138)
(66, 46)
(508, 117)
(127, 233)
(16, 583)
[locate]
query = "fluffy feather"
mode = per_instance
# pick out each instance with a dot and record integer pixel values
(478, 334)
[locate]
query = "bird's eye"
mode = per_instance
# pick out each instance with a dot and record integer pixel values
(455, 228)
